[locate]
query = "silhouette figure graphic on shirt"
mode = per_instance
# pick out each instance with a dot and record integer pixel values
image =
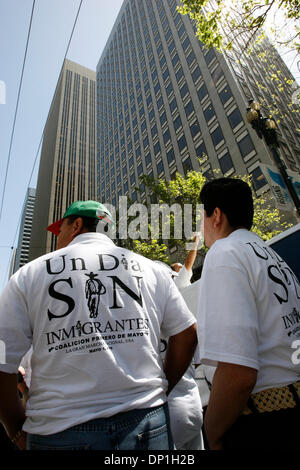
(93, 289)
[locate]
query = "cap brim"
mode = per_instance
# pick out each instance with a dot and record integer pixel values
(55, 227)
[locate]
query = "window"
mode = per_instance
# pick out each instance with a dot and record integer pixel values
(246, 146)
(225, 94)
(201, 151)
(154, 130)
(190, 58)
(258, 178)
(187, 165)
(177, 123)
(196, 74)
(209, 56)
(156, 148)
(202, 92)
(167, 136)
(184, 90)
(173, 105)
(171, 156)
(209, 113)
(132, 178)
(160, 167)
(217, 136)
(148, 159)
(235, 118)
(217, 74)
(195, 128)
(179, 74)
(189, 109)
(182, 144)
(225, 163)
(163, 118)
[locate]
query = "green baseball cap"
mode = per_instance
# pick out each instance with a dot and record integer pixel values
(92, 209)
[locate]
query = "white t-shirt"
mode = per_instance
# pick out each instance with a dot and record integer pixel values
(249, 309)
(184, 400)
(94, 313)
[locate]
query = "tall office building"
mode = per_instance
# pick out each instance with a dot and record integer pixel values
(163, 100)
(21, 255)
(68, 170)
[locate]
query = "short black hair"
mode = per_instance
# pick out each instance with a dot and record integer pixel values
(233, 196)
(89, 223)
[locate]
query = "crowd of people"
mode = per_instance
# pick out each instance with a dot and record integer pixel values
(102, 344)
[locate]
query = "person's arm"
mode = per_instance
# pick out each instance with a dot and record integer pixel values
(12, 412)
(191, 256)
(179, 354)
(231, 388)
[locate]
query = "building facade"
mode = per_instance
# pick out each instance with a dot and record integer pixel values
(164, 102)
(68, 170)
(21, 255)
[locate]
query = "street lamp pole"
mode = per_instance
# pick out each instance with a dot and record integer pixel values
(266, 128)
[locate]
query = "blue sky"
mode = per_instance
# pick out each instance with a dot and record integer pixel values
(51, 28)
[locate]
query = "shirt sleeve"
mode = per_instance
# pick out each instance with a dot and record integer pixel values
(15, 328)
(227, 318)
(184, 278)
(177, 316)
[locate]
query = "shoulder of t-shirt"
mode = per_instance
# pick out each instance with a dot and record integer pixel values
(228, 249)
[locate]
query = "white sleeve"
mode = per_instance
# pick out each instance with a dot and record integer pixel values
(177, 316)
(15, 329)
(184, 278)
(227, 318)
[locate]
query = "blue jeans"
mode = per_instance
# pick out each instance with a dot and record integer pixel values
(140, 429)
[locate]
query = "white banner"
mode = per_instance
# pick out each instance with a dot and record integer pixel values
(278, 187)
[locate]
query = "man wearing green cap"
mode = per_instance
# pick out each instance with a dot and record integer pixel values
(94, 313)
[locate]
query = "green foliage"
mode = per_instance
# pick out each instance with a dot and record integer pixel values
(219, 26)
(267, 222)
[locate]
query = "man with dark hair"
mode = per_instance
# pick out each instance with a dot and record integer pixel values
(248, 325)
(94, 313)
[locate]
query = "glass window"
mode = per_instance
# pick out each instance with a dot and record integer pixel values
(235, 118)
(226, 163)
(170, 156)
(217, 136)
(169, 89)
(160, 167)
(177, 123)
(167, 136)
(201, 151)
(217, 74)
(179, 74)
(163, 118)
(184, 90)
(195, 128)
(173, 105)
(156, 148)
(148, 159)
(187, 165)
(209, 56)
(182, 144)
(132, 178)
(189, 108)
(202, 92)
(190, 58)
(246, 145)
(154, 130)
(196, 74)
(225, 94)
(258, 178)
(209, 113)
(175, 59)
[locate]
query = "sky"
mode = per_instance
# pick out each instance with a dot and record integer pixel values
(51, 28)
(50, 32)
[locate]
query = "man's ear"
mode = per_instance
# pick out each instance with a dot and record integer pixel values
(217, 214)
(77, 227)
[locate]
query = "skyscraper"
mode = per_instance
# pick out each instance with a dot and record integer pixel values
(21, 256)
(164, 101)
(67, 169)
